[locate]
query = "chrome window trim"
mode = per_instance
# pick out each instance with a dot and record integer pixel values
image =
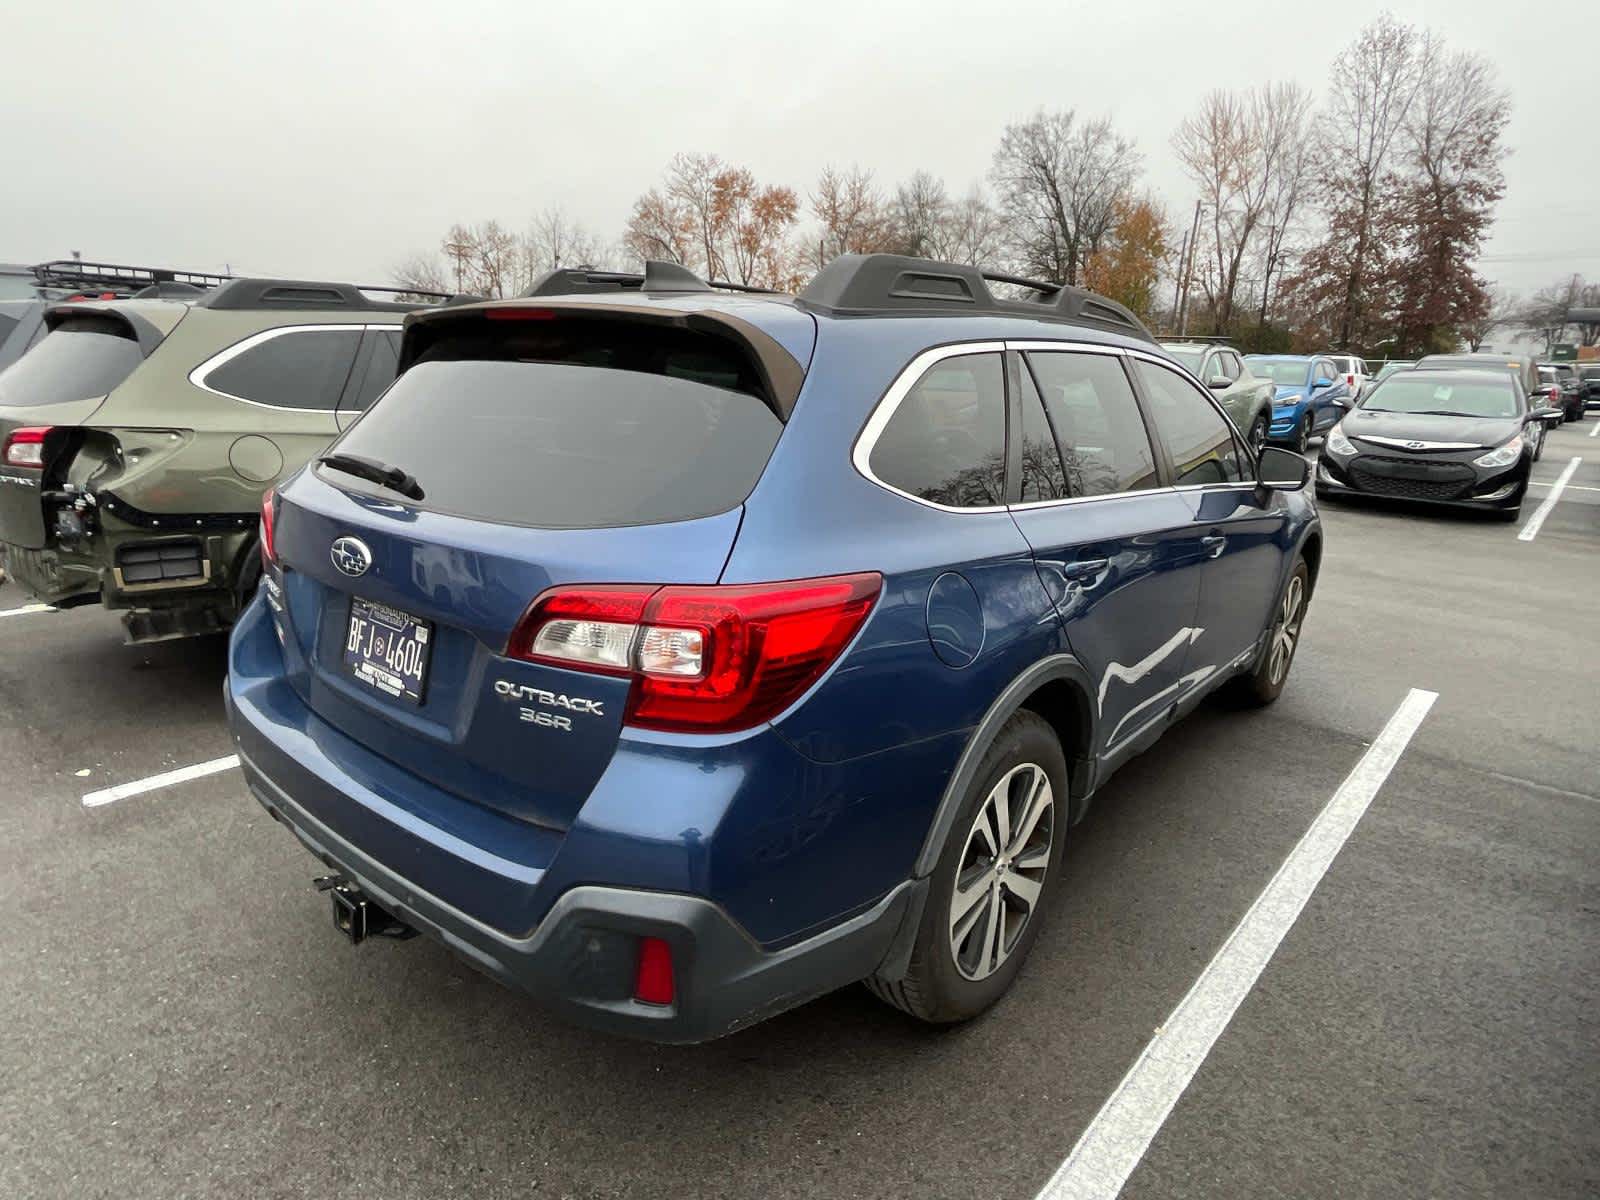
(883, 412)
(198, 375)
(912, 373)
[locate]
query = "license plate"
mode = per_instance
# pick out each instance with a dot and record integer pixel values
(387, 649)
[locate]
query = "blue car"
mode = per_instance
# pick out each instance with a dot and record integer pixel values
(1311, 395)
(678, 655)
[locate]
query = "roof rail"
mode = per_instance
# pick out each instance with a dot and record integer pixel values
(859, 284)
(74, 274)
(1207, 339)
(659, 276)
(295, 294)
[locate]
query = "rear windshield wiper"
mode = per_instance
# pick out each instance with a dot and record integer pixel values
(374, 471)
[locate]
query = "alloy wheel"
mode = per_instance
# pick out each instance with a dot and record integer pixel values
(1287, 630)
(1258, 437)
(1000, 874)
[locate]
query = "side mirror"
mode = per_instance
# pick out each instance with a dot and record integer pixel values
(1320, 384)
(1283, 470)
(1344, 403)
(1219, 383)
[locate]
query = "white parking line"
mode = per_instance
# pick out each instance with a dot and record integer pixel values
(166, 779)
(1594, 431)
(1571, 487)
(1114, 1142)
(25, 609)
(1536, 522)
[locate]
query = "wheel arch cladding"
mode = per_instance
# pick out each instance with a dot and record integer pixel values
(1311, 550)
(1057, 688)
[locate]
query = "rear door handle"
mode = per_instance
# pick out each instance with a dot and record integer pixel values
(1213, 544)
(1085, 567)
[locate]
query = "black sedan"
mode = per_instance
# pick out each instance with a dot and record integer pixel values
(1459, 438)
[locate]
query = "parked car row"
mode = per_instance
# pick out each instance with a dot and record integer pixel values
(140, 434)
(675, 653)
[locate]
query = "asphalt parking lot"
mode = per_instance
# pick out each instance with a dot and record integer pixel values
(178, 1017)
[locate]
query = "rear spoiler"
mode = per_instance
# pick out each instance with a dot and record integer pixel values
(115, 321)
(780, 373)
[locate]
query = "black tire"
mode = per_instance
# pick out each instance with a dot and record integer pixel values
(1302, 434)
(1508, 515)
(1538, 449)
(1265, 684)
(936, 989)
(1258, 436)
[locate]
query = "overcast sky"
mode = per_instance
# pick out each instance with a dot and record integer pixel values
(332, 139)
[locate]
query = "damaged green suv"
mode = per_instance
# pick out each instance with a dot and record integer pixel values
(137, 437)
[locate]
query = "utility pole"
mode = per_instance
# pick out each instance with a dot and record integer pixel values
(1183, 303)
(1177, 282)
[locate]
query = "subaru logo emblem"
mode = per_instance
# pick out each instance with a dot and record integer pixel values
(351, 556)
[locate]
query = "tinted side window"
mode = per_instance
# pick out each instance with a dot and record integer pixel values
(303, 368)
(1197, 439)
(73, 362)
(1043, 477)
(947, 440)
(382, 359)
(1104, 446)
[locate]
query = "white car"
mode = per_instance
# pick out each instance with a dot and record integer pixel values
(1354, 370)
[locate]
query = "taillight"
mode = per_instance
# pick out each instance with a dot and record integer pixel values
(269, 513)
(710, 659)
(1350, 379)
(24, 447)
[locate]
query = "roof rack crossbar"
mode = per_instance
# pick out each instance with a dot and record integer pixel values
(76, 273)
(658, 276)
(861, 284)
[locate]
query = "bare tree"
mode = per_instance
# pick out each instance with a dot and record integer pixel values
(1282, 112)
(421, 273)
(555, 239)
(852, 214)
(972, 232)
(919, 214)
(1504, 309)
(1452, 156)
(1245, 153)
(661, 228)
(717, 219)
(1375, 81)
(1060, 181)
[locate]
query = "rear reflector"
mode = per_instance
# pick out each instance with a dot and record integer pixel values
(652, 981)
(24, 447)
(712, 659)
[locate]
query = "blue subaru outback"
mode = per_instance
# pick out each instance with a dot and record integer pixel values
(678, 655)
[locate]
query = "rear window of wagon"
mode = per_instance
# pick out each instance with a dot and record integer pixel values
(573, 426)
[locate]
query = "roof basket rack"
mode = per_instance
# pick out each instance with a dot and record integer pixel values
(75, 275)
(861, 284)
(658, 276)
(293, 294)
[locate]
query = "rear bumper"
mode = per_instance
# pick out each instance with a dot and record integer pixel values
(581, 957)
(43, 575)
(723, 851)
